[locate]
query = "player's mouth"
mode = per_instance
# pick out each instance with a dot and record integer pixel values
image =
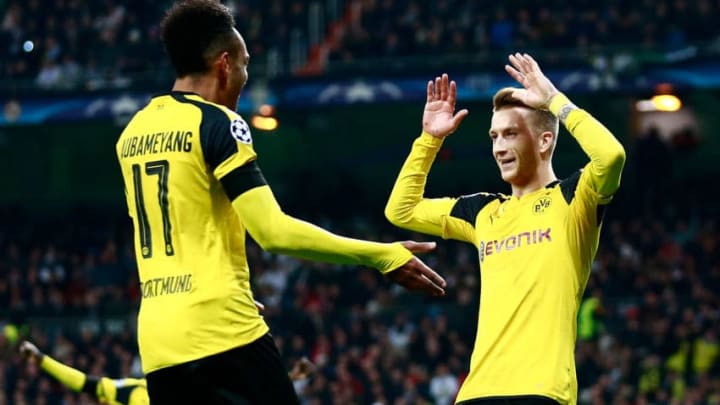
(506, 163)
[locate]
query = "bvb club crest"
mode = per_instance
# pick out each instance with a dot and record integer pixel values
(541, 204)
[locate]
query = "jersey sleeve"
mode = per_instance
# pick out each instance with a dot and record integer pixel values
(279, 233)
(407, 208)
(227, 148)
(586, 210)
(607, 156)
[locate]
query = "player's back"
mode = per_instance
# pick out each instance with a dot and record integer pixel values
(194, 278)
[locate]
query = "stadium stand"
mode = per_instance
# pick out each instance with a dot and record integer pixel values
(63, 44)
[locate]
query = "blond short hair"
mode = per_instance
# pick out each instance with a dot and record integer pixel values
(543, 120)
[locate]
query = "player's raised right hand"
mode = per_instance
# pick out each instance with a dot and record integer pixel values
(416, 275)
(439, 117)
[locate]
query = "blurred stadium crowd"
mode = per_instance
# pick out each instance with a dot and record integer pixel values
(410, 27)
(648, 328)
(61, 43)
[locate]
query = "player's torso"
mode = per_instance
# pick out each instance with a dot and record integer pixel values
(189, 242)
(528, 298)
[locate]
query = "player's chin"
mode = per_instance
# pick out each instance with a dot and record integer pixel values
(508, 175)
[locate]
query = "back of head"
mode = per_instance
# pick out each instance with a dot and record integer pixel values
(196, 31)
(542, 120)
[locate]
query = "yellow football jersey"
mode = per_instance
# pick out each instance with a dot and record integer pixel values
(535, 254)
(189, 242)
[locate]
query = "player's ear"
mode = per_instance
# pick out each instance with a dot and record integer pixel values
(222, 67)
(546, 140)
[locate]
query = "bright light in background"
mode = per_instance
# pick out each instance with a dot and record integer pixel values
(666, 102)
(264, 123)
(266, 110)
(661, 102)
(28, 46)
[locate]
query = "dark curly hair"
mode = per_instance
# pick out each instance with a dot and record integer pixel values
(196, 31)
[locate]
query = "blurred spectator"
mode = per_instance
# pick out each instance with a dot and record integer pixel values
(443, 386)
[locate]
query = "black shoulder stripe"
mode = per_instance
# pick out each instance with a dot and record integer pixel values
(217, 143)
(90, 386)
(242, 179)
(568, 186)
(467, 207)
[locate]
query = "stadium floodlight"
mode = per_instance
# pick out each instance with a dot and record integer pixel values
(264, 123)
(666, 102)
(660, 102)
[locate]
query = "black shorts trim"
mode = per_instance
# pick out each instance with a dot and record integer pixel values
(253, 374)
(511, 400)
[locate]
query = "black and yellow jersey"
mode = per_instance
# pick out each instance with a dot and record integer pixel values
(190, 244)
(123, 391)
(535, 254)
(193, 189)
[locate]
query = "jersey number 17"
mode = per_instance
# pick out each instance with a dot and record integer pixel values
(161, 169)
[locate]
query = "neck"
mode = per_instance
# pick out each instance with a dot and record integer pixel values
(544, 176)
(202, 85)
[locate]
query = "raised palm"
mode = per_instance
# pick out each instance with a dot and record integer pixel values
(439, 117)
(537, 88)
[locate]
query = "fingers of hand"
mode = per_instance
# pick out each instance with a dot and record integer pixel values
(419, 247)
(430, 91)
(432, 275)
(516, 62)
(515, 74)
(430, 287)
(453, 93)
(532, 62)
(438, 91)
(459, 116)
(422, 270)
(410, 276)
(444, 87)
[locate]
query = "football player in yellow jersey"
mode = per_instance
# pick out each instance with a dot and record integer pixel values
(123, 391)
(535, 245)
(194, 188)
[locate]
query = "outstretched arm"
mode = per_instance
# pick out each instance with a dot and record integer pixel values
(74, 379)
(607, 156)
(278, 232)
(407, 208)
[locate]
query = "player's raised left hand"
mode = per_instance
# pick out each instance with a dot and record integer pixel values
(416, 275)
(537, 88)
